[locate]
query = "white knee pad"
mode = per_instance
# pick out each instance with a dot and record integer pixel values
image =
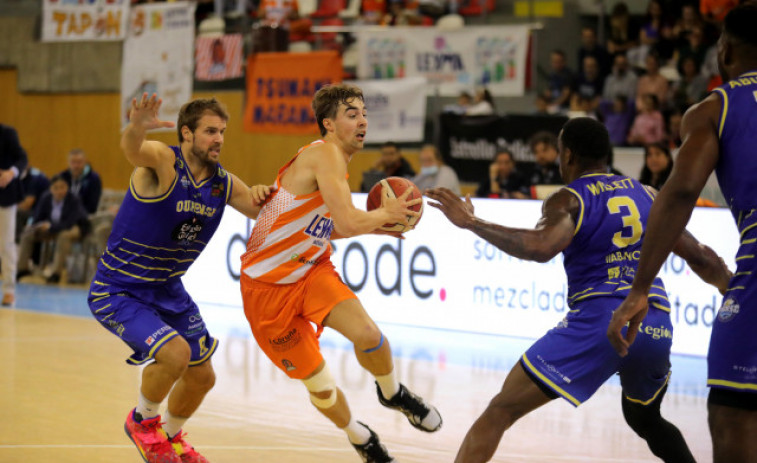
(322, 382)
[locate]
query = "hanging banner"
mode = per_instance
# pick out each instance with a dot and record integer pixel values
(280, 88)
(451, 61)
(468, 143)
(157, 56)
(74, 20)
(396, 109)
(218, 58)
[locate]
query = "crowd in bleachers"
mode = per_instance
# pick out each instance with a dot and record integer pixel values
(643, 76)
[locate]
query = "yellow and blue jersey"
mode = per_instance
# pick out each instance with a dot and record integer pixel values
(602, 259)
(155, 240)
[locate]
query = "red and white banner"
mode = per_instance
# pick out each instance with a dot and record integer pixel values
(77, 20)
(218, 58)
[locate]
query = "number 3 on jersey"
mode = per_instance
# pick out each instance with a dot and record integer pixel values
(631, 219)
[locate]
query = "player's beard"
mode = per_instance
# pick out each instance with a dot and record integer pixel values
(204, 157)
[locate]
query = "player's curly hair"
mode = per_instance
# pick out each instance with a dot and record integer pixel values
(191, 112)
(328, 98)
(740, 23)
(587, 139)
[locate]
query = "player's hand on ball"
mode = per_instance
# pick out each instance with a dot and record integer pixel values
(458, 212)
(399, 208)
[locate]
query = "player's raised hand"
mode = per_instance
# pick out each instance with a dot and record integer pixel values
(459, 212)
(631, 312)
(145, 113)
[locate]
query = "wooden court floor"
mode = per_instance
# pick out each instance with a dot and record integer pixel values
(65, 392)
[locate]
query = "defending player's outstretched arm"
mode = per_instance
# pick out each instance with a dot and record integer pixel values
(552, 234)
(248, 200)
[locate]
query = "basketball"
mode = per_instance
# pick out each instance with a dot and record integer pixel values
(397, 186)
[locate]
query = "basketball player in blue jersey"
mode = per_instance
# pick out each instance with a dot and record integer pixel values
(597, 221)
(175, 202)
(718, 133)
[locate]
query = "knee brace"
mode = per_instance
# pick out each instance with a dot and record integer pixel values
(322, 382)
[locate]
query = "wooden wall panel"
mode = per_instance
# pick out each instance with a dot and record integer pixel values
(49, 125)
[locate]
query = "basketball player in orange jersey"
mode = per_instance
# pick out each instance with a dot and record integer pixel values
(288, 280)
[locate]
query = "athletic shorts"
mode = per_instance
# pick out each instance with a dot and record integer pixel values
(146, 317)
(575, 358)
(282, 316)
(732, 356)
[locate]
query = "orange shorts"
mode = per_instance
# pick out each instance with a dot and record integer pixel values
(281, 315)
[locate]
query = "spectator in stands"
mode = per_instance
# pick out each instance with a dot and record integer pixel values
(34, 183)
(561, 81)
(652, 82)
(648, 125)
(590, 47)
(590, 83)
(617, 116)
(58, 216)
(688, 20)
(390, 164)
(432, 8)
(541, 106)
(714, 11)
(434, 173)
(504, 180)
(691, 87)
(693, 47)
(622, 81)
(82, 180)
(623, 31)
(546, 170)
(483, 104)
(674, 130)
(278, 12)
(372, 11)
(657, 165)
(464, 100)
(399, 14)
(656, 31)
(13, 161)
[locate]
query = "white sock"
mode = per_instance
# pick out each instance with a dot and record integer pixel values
(356, 432)
(173, 424)
(388, 384)
(147, 408)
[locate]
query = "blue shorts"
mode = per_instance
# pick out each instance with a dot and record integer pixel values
(148, 316)
(575, 358)
(732, 357)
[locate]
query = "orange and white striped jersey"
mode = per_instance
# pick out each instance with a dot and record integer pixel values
(291, 234)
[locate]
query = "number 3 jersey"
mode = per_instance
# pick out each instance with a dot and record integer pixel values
(156, 240)
(601, 260)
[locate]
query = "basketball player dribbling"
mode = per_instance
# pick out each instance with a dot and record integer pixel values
(289, 282)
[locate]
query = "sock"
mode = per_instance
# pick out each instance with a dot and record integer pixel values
(146, 409)
(388, 384)
(356, 432)
(173, 424)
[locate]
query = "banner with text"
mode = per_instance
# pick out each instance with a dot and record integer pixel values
(280, 88)
(157, 56)
(443, 277)
(218, 58)
(396, 109)
(468, 143)
(73, 20)
(451, 61)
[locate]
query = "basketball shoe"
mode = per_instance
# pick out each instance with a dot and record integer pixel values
(150, 439)
(373, 451)
(421, 416)
(186, 452)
